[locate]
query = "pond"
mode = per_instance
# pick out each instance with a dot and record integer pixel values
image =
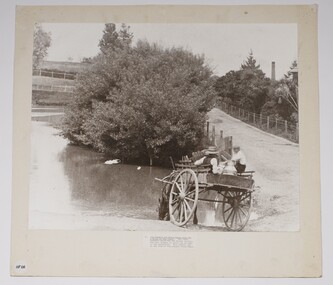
(70, 180)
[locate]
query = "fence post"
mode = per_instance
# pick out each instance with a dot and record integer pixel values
(213, 135)
(230, 144)
(276, 121)
(207, 129)
(260, 119)
(267, 122)
(248, 116)
(239, 113)
(221, 142)
(254, 118)
(285, 126)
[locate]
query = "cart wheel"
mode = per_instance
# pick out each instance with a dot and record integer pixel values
(236, 209)
(183, 197)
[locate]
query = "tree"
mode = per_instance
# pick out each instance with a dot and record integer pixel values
(42, 41)
(246, 88)
(250, 63)
(125, 35)
(113, 40)
(283, 98)
(141, 103)
(87, 60)
(289, 74)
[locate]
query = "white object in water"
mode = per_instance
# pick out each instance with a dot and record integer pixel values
(112, 161)
(138, 168)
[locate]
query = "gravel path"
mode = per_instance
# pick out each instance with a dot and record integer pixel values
(276, 163)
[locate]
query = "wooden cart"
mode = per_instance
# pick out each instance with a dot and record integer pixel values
(185, 186)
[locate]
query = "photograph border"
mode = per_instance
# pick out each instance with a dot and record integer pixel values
(113, 253)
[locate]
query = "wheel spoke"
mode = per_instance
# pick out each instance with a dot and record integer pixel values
(188, 198)
(181, 213)
(238, 218)
(174, 193)
(185, 211)
(176, 207)
(180, 190)
(188, 178)
(187, 205)
(232, 219)
(190, 193)
(174, 201)
(240, 208)
(185, 182)
(229, 215)
(246, 196)
(227, 209)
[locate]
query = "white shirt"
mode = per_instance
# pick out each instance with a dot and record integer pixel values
(240, 157)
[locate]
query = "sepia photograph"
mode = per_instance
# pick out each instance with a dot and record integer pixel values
(148, 134)
(165, 127)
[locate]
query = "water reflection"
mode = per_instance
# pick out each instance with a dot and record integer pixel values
(114, 189)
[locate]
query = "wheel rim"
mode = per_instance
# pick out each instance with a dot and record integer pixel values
(183, 197)
(236, 209)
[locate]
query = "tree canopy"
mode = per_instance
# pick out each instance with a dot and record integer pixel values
(141, 102)
(249, 89)
(246, 88)
(42, 41)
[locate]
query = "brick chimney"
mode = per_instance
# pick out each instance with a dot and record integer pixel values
(273, 70)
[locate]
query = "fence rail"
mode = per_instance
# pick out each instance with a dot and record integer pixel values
(54, 74)
(269, 124)
(57, 88)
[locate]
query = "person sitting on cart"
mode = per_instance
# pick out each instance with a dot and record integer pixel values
(211, 158)
(239, 159)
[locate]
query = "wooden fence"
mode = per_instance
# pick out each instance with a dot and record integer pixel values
(57, 88)
(224, 144)
(54, 74)
(269, 124)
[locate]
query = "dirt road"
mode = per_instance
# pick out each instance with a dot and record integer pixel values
(276, 164)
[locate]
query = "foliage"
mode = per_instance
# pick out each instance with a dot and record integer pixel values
(113, 40)
(283, 98)
(249, 89)
(141, 102)
(246, 88)
(42, 41)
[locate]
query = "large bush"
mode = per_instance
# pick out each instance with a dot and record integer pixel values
(141, 103)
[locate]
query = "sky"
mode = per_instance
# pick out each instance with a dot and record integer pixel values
(225, 46)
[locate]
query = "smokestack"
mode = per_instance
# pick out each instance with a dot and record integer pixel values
(273, 70)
